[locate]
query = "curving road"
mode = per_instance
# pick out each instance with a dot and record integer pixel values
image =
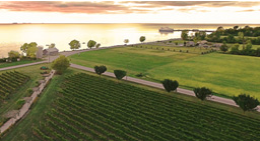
(131, 79)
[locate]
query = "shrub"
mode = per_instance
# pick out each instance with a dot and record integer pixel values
(176, 43)
(140, 75)
(224, 48)
(60, 64)
(246, 102)
(100, 69)
(119, 74)
(202, 93)
(29, 91)
(170, 85)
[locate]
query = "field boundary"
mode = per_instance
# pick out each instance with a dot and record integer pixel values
(160, 86)
(25, 108)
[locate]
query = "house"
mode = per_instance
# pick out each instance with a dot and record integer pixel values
(51, 51)
(203, 42)
(217, 45)
(190, 44)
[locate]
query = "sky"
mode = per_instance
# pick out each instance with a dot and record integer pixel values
(240, 12)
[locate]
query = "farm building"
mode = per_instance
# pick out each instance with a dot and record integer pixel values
(50, 51)
(190, 44)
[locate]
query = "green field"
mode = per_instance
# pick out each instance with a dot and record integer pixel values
(11, 102)
(224, 74)
(174, 48)
(95, 109)
(3, 65)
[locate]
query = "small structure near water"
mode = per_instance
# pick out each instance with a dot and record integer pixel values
(51, 51)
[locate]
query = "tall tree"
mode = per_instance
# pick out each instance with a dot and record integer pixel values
(184, 35)
(13, 54)
(52, 45)
(100, 69)
(202, 93)
(242, 38)
(246, 102)
(31, 51)
(170, 85)
(60, 64)
(74, 44)
(224, 47)
(98, 45)
(91, 43)
(26, 46)
(142, 38)
(126, 41)
(119, 74)
(236, 27)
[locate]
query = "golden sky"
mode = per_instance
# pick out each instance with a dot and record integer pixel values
(130, 12)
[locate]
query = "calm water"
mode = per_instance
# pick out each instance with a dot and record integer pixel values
(13, 36)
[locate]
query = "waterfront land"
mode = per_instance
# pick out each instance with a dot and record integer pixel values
(224, 74)
(47, 112)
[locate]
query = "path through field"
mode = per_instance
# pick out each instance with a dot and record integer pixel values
(131, 79)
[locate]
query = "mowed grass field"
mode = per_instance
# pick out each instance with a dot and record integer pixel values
(224, 74)
(3, 65)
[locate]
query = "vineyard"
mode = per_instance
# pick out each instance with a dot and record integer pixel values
(95, 109)
(11, 81)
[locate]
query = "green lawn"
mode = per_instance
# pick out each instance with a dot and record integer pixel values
(224, 74)
(3, 65)
(178, 113)
(34, 73)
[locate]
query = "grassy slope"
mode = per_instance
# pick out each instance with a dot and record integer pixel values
(135, 60)
(22, 130)
(196, 50)
(225, 74)
(3, 65)
(34, 73)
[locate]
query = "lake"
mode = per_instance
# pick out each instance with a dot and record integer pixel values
(14, 35)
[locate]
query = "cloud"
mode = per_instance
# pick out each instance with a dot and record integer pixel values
(247, 10)
(65, 7)
(195, 3)
(121, 7)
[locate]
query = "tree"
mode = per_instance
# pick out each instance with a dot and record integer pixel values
(224, 47)
(31, 51)
(52, 45)
(246, 102)
(126, 41)
(257, 52)
(119, 74)
(74, 44)
(235, 49)
(24, 48)
(13, 54)
(220, 28)
(98, 45)
(60, 64)
(91, 43)
(100, 69)
(242, 38)
(236, 27)
(170, 85)
(184, 35)
(142, 39)
(202, 93)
